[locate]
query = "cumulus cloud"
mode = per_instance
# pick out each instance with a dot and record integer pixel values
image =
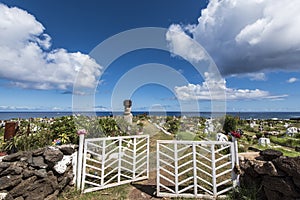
(201, 92)
(292, 80)
(27, 60)
(249, 36)
(214, 90)
(183, 45)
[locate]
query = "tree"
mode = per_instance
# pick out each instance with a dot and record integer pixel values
(172, 124)
(230, 124)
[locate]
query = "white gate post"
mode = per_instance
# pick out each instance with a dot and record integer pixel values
(81, 134)
(236, 151)
(235, 157)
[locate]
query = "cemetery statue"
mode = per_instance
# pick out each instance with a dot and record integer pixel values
(127, 111)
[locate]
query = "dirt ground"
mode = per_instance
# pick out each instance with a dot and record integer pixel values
(144, 189)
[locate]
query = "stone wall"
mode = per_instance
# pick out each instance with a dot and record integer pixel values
(274, 176)
(37, 175)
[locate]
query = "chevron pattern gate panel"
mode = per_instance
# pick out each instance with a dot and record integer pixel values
(114, 161)
(194, 168)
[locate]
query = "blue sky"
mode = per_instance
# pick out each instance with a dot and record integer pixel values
(254, 44)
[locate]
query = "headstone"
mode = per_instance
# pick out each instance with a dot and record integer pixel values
(10, 130)
(127, 111)
(291, 131)
(264, 141)
(2, 123)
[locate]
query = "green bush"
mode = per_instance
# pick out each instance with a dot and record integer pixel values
(64, 129)
(230, 124)
(259, 135)
(172, 124)
(24, 142)
(242, 193)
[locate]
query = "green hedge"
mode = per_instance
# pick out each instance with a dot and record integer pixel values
(285, 141)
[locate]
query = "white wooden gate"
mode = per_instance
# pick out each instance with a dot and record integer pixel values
(195, 168)
(113, 161)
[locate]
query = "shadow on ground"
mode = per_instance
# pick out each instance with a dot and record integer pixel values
(143, 191)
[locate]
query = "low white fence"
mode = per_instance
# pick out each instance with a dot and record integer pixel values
(195, 169)
(113, 161)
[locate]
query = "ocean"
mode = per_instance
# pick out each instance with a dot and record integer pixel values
(242, 115)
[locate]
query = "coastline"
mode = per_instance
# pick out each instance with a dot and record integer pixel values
(8, 115)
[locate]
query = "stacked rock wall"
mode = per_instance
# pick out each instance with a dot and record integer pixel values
(37, 175)
(274, 176)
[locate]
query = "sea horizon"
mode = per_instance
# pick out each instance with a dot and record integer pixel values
(280, 115)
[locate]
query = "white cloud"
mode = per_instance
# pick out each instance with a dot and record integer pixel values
(292, 80)
(183, 45)
(15, 108)
(27, 60)
(250, 36)
(252, 76)
(215, 90)
(257, 76)
(29, 108)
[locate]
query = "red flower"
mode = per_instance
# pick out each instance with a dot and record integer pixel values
(235, 134)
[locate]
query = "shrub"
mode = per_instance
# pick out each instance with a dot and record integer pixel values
(172, 125)
(64, 128)
(243, 193)
(230, 124)
(258, 135)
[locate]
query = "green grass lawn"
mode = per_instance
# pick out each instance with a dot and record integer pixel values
(286, 141)
(186, 136)
(114, 193)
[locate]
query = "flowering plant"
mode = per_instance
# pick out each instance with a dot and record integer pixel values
(236, 134)
(56, 142)
(81, 132)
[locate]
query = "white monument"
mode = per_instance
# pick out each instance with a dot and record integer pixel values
(291, 131)
(264, 141)
(127, 111)
(221, 137)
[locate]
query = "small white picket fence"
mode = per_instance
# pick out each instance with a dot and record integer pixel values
(195, 169)
(113, 161)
